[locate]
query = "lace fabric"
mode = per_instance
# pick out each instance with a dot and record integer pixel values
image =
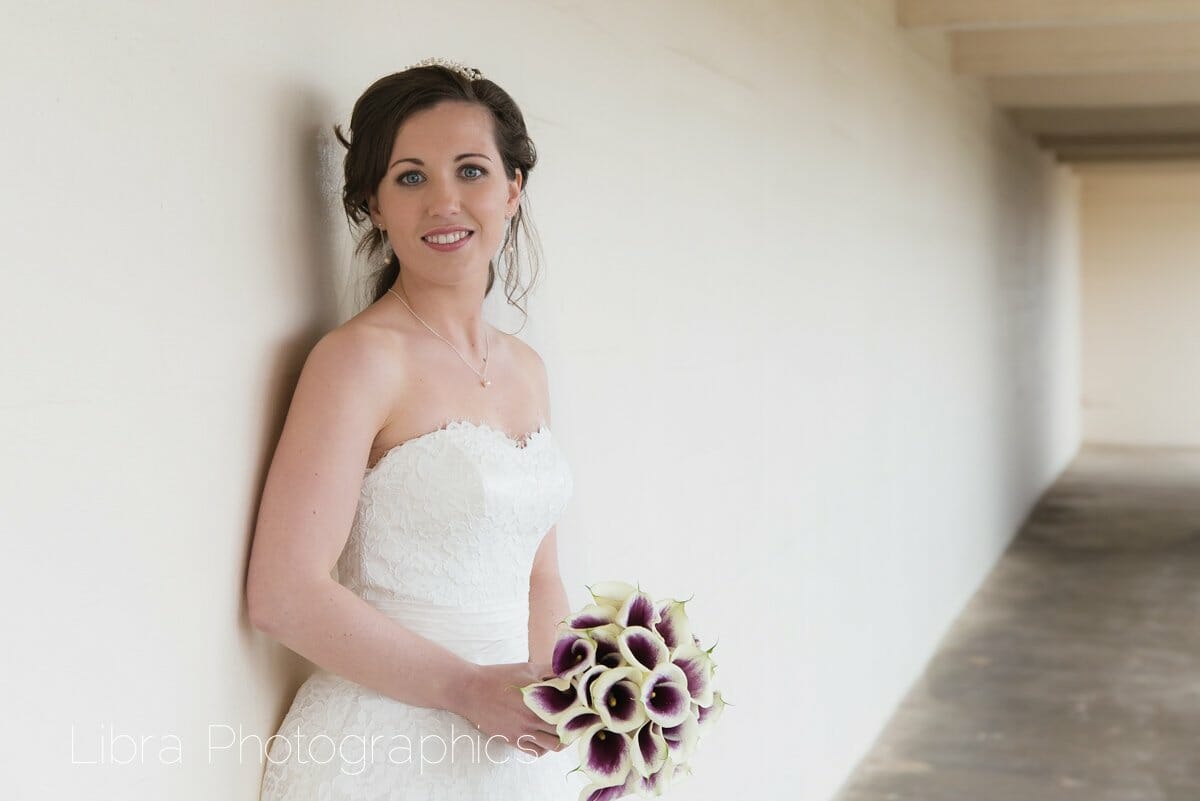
(443, 542)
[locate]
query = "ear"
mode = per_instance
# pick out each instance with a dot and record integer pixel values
(373, 206)
(514, 190)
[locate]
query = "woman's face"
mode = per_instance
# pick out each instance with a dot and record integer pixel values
(444, 172)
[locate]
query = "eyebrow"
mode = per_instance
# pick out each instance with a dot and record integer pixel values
(420, 163)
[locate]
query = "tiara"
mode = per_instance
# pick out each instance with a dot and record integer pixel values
(470, 73)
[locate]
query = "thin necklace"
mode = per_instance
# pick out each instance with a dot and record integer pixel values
(483, 381)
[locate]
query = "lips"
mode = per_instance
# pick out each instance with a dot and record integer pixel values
(452, 240)
(447, 237)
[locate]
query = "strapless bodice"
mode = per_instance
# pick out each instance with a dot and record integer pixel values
(450, 521)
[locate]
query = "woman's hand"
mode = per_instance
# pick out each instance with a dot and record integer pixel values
(492, 700)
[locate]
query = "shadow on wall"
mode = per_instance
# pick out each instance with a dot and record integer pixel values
(309, 172)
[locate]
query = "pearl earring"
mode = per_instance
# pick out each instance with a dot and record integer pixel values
(387, 257)
(509, 247)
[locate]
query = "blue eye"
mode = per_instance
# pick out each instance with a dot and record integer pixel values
(402, 179)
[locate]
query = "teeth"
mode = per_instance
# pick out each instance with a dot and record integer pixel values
(446, 239)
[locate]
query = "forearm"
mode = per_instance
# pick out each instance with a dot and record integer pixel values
(548, 605)
(340, 632)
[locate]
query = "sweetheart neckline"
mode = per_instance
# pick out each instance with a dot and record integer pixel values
(517, 443)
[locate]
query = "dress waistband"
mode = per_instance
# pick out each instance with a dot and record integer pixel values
(493, 633)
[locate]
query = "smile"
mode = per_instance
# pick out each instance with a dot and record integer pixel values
(447, 241)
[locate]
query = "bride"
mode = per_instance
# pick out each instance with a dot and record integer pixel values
(417, 458)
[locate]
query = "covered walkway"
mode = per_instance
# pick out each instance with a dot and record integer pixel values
(1074, 672)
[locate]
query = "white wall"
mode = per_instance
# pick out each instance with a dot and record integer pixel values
(808, 317)
(1141, 292)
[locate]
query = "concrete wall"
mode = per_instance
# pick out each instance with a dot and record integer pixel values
(809, 319)
(1140, 296)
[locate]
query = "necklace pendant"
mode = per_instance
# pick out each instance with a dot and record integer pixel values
(485, 382)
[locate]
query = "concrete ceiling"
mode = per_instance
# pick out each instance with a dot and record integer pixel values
(1092, 80)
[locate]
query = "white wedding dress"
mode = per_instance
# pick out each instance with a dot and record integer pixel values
(443, 542)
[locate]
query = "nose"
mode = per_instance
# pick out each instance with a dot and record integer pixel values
(443, 199)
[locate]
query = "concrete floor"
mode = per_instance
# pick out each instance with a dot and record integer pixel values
(1074, 672)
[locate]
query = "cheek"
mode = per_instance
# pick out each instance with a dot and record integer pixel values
(398, 206)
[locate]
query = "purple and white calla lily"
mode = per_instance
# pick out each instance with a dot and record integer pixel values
(600, 792)
(638, 610)
(604, 755)
(673, 625)
(584, 683)
(608, 649)
(697, 666)
(681, 739)
(657, 783)
(665, 695)
(611, 593)
(575, 721)
(650, 751)
(551, 700)
(615, 698)
(592, 616)
(574, 652)
(642, 648)
(706, 716)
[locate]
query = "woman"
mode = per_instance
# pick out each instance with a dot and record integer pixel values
(417, 458)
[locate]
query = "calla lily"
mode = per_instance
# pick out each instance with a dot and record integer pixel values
(598, 792)
(551, 700)
(681, 739)
(591, 616)
(604, 755)
(650, 751)
(611, 593)
(584, 684)
(615, 697)
(575, 721)
(665, 695)
(574, 653)
(673, 625)
(697, 666)
(656, 784)
(638, 610)
(642, 648)
(706, 716)
(608, 649)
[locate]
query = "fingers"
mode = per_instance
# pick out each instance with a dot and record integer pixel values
(539, 740)
(548, 740)
(529, 743)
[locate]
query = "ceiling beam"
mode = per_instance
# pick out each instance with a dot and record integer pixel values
(1130, 89)
(1057, 51)
(1079, 149)
(1159, 121)
(975, 14)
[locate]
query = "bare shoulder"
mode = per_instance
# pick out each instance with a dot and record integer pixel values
(533, 368)
(359, 352)
(530, 360)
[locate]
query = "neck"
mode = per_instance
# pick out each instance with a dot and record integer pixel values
(455, 312)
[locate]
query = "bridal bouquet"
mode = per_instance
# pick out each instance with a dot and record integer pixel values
(633, 687)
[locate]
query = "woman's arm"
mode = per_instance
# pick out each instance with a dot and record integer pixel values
(548, 602)
(308, 506)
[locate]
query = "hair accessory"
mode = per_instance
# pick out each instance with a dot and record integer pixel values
(470, 73)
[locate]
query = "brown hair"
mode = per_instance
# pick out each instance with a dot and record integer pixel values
(378, 115)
